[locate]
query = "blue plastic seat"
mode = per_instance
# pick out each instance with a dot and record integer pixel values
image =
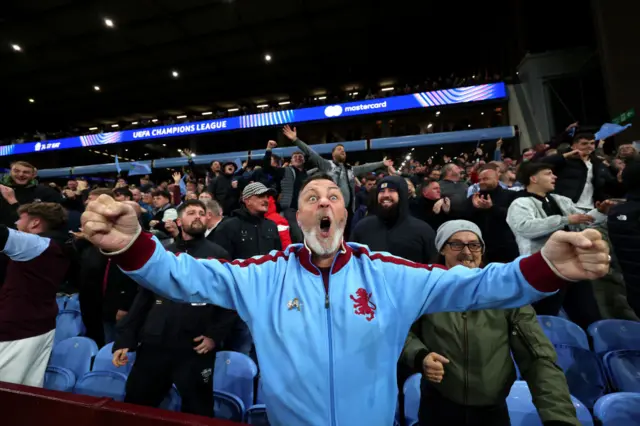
(411, 391)
(618, 409)
(623, 369)
(227, 406)
(173, 401)
(523, 413)
(260, 392)
(613, 335)
(103, 361)
(61, 301)
(561, 331)
(75, 354)
(74, 302)
(107, 384)
(68, 324)
(257, 415)
(585, 377)
(59, 378)
(235, 373)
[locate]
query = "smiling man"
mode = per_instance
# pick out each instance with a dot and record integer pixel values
(330, 319)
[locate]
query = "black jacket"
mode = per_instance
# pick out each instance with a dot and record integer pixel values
(222, 191)
(403, 235)
(422, 208)
(244, 235)
(500, 242)
(572, 176)
(624, 233)
(24, 194)
(156, 321)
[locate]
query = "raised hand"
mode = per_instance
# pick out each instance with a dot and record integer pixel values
(8, 194)
(291, 134)
(578, 255)
(109, 225)
(272, 145)
(387, 162)
(177, 176)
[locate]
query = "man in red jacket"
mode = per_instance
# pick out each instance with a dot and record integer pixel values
(281, 222)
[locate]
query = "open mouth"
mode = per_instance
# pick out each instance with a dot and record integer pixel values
(468, 263)
(325, 226)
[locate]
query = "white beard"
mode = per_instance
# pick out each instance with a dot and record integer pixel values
(322, 247)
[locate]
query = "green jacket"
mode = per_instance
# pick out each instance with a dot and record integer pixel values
(478, 345)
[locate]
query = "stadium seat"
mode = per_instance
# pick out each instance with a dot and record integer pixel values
(623, 369)
(523, 413)
(411, 391)
(102, 384)
(257, 415)
(75, 354)
(74, 302)
(173, 401)
(104, 357)
(68, 324)
(235, 373)
(259, 393)
(585, 377)
(61, 301)
(563, 332)
(618, 409)
(59, 378)
(612, 335)
(227, 406)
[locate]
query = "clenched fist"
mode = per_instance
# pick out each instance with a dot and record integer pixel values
(578, 256)
(108, 224)
(433, 367)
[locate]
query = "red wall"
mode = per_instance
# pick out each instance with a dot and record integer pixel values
(24, 405)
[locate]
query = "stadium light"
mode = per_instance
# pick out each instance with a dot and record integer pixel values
(263, 106)
(96, 88)
(207, 113)
(31, 100)
(354, 93)
(133, 123)
(175, 74)
(437, 113)
(482, 113)
(16, 47)
(93, 128)
(115, 125)
(155, 120)
(267, 57)
(322, 98)
(386, 89)
(180, 117)
(284, 103)
(233, 109)
(468, 125)
(164, 144)
(408, 157)
(108, 22)
(430, 125)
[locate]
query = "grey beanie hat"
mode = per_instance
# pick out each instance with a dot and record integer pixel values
(447, 229)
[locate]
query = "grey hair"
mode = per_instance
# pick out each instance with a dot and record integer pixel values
(213, 206)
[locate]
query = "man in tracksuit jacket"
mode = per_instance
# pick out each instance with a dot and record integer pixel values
(39, 263)
(330, 318)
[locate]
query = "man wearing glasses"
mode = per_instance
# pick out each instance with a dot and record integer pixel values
(465, 357)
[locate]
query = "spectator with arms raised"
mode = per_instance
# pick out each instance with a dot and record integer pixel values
(334, 311)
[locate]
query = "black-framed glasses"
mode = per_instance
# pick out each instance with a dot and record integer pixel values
(459, 246)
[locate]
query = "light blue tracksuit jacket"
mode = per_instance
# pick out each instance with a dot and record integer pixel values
(330, 358)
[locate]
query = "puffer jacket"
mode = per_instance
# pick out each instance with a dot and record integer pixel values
(281, 223)
(481, 372)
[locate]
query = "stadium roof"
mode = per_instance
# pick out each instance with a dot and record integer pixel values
(70, 63)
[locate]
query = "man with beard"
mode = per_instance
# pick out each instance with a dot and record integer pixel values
(465, 357)
(178, 341)
(330, 318)
(392, 228)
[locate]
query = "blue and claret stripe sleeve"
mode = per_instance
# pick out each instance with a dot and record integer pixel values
(232, 285)
(21, 246)
(420, 289)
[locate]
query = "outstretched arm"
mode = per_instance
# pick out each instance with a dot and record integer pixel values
(21, 246)
(182, 278)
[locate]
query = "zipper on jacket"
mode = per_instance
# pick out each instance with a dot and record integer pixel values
(330, 337)
(466, 358)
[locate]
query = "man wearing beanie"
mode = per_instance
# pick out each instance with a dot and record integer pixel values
(392, 228)
(465, 357)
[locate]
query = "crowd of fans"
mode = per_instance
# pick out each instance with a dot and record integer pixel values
(478, 208)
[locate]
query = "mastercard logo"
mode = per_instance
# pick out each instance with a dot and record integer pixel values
(333, 111)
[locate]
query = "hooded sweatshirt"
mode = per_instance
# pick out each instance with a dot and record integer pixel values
(400, 234)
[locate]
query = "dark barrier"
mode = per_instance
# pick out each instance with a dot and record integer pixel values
(24, 405)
